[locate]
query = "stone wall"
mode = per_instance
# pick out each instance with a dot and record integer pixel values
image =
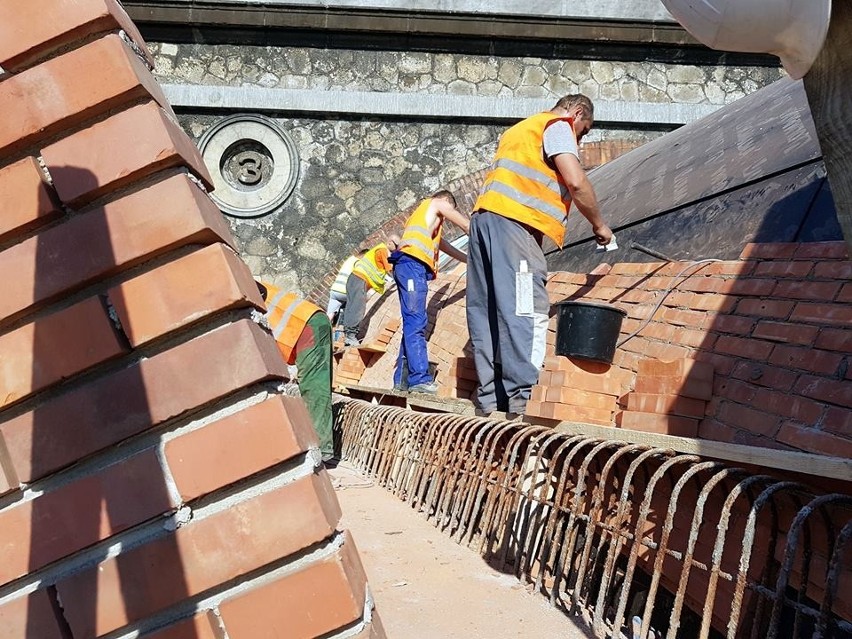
(358, 172)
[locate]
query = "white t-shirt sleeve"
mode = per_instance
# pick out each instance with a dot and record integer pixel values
(559, 138)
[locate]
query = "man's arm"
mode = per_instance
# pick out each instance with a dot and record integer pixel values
(452, 251)
(452, 214)
(582, 194)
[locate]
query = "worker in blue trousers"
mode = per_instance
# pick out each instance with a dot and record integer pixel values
(415, 263)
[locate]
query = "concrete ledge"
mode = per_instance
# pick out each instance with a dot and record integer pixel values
(633, 21)
(418, 105)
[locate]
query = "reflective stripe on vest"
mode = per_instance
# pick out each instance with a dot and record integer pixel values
(416, 239)
(521, 186)
(369, 269)
(287, 315)
(343, 274)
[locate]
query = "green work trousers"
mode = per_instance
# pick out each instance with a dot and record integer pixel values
(313, 359)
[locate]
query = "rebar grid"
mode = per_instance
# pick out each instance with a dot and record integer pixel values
(643, 542)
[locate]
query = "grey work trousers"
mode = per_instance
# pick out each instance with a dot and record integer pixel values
(507, 310)
(356, 305)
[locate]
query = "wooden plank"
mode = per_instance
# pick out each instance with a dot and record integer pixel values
(829, 94)
(372, 348)
(807, 463)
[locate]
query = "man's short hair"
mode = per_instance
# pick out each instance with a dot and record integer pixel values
(568, 102)
(443, 193)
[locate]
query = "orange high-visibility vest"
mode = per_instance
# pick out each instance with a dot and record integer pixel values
(416, 239)
(521, 186)
(287, 315)
(339, 285)
(370, 271)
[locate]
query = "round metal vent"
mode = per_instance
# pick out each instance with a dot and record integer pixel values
(254, 164)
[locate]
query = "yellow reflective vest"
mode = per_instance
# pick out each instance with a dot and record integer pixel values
(339, 285)
(416, 239)
(287, 315)
(369, 269)
(520, 185)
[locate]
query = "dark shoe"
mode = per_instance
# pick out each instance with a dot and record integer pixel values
(351, 341)
(330, 461)
(431, 388)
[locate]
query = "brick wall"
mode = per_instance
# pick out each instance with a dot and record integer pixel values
(153, 480)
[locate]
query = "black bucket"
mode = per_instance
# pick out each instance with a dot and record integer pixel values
(588, 330)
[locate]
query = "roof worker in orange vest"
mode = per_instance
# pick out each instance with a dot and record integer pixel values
(337, 294)
(303, 333)
(369, 272)
(526, 196)
(415, 263)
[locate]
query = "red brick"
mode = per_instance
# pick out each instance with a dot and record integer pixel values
(809, 359)
(117, 236)
(748, 419)
(199, 627)
(119, 151)
(806, 290)
(834, 270)
(731, 324)
(832, 314)
(717, 303)
(60, 93)
(86, 511)
(582, 414)
(182, 292)
(716, 431)
(744, 347)
(778, 309)
(801, 409)
(832, 391)
(835, 339)
(695, 319)
(845, 294)
(240, 445)
(770, 251)
(838, 421)
(662, 424)
(680, 368)
(666, 405)
(695, 339)
(588, 382)
(563, 395)
(784, 269)
(738, 391)
(688, 387)
(763, 375)
(199, 556)
(375, 630)
(312, 602)
(587, 367)
(29, 201)
(786, 332)
(30, 616)
(815, 441)
(822, 250)
(154, 390)
(751, 286)
(26, 39)
(55, 347)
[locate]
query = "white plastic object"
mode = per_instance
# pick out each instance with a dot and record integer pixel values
(794, 30)
(608, 247)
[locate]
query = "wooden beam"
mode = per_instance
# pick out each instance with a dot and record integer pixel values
(806, 463)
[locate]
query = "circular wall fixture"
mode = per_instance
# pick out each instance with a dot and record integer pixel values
(254, 164)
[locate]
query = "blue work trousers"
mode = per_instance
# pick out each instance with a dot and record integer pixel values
(412, 277)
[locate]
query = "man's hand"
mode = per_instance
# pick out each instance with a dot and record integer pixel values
(603, 234)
